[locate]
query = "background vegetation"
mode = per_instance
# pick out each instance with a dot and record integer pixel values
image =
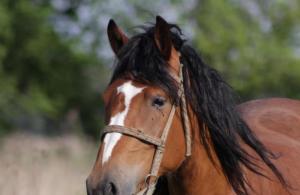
(55, 59)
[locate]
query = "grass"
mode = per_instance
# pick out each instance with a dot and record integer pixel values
(36, 165)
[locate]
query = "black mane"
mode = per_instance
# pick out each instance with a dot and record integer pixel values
(211, 98)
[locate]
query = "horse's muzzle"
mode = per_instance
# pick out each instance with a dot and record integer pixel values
(106, 187)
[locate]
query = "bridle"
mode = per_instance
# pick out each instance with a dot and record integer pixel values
(159, 143)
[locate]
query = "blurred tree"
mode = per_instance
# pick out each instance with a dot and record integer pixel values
(251, 43)
(52, 53)
(43, 78)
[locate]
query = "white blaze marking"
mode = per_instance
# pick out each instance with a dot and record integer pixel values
(111, 139)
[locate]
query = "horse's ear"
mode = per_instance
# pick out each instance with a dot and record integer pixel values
(162, 36)
(117, 38)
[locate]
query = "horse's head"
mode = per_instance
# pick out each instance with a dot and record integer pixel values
(148, 133)
(138, 114)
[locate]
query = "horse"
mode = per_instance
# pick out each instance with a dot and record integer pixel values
(174, 126)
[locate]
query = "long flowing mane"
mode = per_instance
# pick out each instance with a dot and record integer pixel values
(211, 99)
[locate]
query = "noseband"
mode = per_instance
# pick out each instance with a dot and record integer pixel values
(159, 143)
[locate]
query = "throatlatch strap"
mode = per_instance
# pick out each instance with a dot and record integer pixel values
(186, 121)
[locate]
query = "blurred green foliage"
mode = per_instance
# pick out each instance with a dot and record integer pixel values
(51, 79)
(254, 51)
(42, 78)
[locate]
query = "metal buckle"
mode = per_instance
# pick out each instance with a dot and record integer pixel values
(148, 179)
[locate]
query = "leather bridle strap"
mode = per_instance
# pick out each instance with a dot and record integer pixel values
(133, 132)
(158, 156)
(186, 121)
(158, 142)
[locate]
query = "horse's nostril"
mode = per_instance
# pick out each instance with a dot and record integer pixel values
(110, 189)
(88, 188)
(106, 187)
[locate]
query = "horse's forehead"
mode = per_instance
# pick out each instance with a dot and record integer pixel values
(129, 89)
(126, 92)
(123, 85)
(119, 86)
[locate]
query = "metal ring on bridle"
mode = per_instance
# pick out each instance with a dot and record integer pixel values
(148, 178)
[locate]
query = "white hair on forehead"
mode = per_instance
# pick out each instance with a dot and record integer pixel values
(111, 139)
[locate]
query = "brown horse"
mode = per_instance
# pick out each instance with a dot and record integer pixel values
(172, 117)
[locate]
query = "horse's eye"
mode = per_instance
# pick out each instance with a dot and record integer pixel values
(158, 102)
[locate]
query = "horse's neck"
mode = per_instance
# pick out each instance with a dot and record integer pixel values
(198, 175)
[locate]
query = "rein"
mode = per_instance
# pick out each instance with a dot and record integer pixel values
(159, 143)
